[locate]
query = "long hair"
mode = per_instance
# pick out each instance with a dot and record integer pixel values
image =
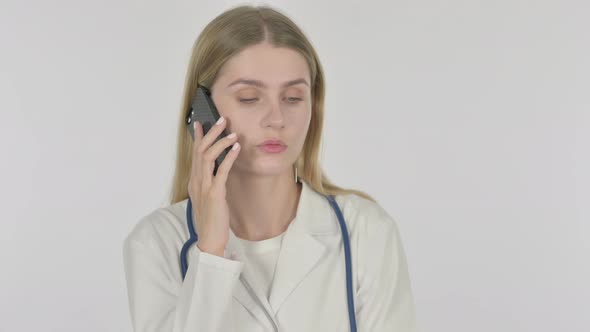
(229, 33)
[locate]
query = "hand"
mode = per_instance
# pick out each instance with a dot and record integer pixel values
(208, 191)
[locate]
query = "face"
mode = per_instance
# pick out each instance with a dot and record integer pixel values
(268, 109)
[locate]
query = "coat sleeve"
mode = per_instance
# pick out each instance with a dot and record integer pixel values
(384, 294)
(158, 301)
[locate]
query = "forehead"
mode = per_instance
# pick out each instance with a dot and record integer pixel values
(267, 63)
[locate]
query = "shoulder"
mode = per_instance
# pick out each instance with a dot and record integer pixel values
(160, 228)
(374, 233)
(375, 240)
(365, 216)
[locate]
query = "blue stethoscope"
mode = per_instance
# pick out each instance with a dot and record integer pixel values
(351, 316)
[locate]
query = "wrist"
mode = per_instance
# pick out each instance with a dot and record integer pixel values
(211, 250)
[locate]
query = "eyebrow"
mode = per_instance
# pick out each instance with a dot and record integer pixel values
(259, 84)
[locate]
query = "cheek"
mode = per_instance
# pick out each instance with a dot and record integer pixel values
(225, 109)
(304, 120)
(246, 128)
(302, 127)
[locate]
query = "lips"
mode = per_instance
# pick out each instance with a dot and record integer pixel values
(272, 148)
(273, 145)
(273, 142)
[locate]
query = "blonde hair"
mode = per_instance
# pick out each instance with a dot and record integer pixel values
(229, 33)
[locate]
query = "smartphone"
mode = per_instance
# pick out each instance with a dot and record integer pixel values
(203, 110)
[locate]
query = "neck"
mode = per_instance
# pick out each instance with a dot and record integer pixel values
(261, 207)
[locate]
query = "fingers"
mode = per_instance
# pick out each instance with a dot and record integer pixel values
(226, 164)
(210, 149)
(197, 169)
(214, 151)
(212, 134)
(207, 149)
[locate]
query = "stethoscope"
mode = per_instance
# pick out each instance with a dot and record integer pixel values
(351, 316)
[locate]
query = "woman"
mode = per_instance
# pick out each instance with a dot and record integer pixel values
(269, 255)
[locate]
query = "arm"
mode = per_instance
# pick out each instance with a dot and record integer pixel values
(384, 295)
(158, 302)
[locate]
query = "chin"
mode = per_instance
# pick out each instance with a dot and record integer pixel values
(271, 166)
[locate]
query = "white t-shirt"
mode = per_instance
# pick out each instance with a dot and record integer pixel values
(263, 255)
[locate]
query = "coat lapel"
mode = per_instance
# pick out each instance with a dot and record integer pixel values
(300, 253)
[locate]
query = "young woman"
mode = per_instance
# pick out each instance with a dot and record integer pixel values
(272, 251)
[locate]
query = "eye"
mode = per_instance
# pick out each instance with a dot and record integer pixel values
(294, 100)
(248, 101)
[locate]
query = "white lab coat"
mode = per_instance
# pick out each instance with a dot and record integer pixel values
(308, 291)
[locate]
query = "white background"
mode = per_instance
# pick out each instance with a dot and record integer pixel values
(469, 121)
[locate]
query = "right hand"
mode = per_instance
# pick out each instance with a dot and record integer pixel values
(208, 191)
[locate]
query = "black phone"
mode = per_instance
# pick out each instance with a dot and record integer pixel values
(203, 110)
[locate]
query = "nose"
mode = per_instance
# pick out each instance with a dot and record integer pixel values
(275, 117)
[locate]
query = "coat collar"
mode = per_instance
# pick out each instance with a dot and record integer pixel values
(299, 254)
